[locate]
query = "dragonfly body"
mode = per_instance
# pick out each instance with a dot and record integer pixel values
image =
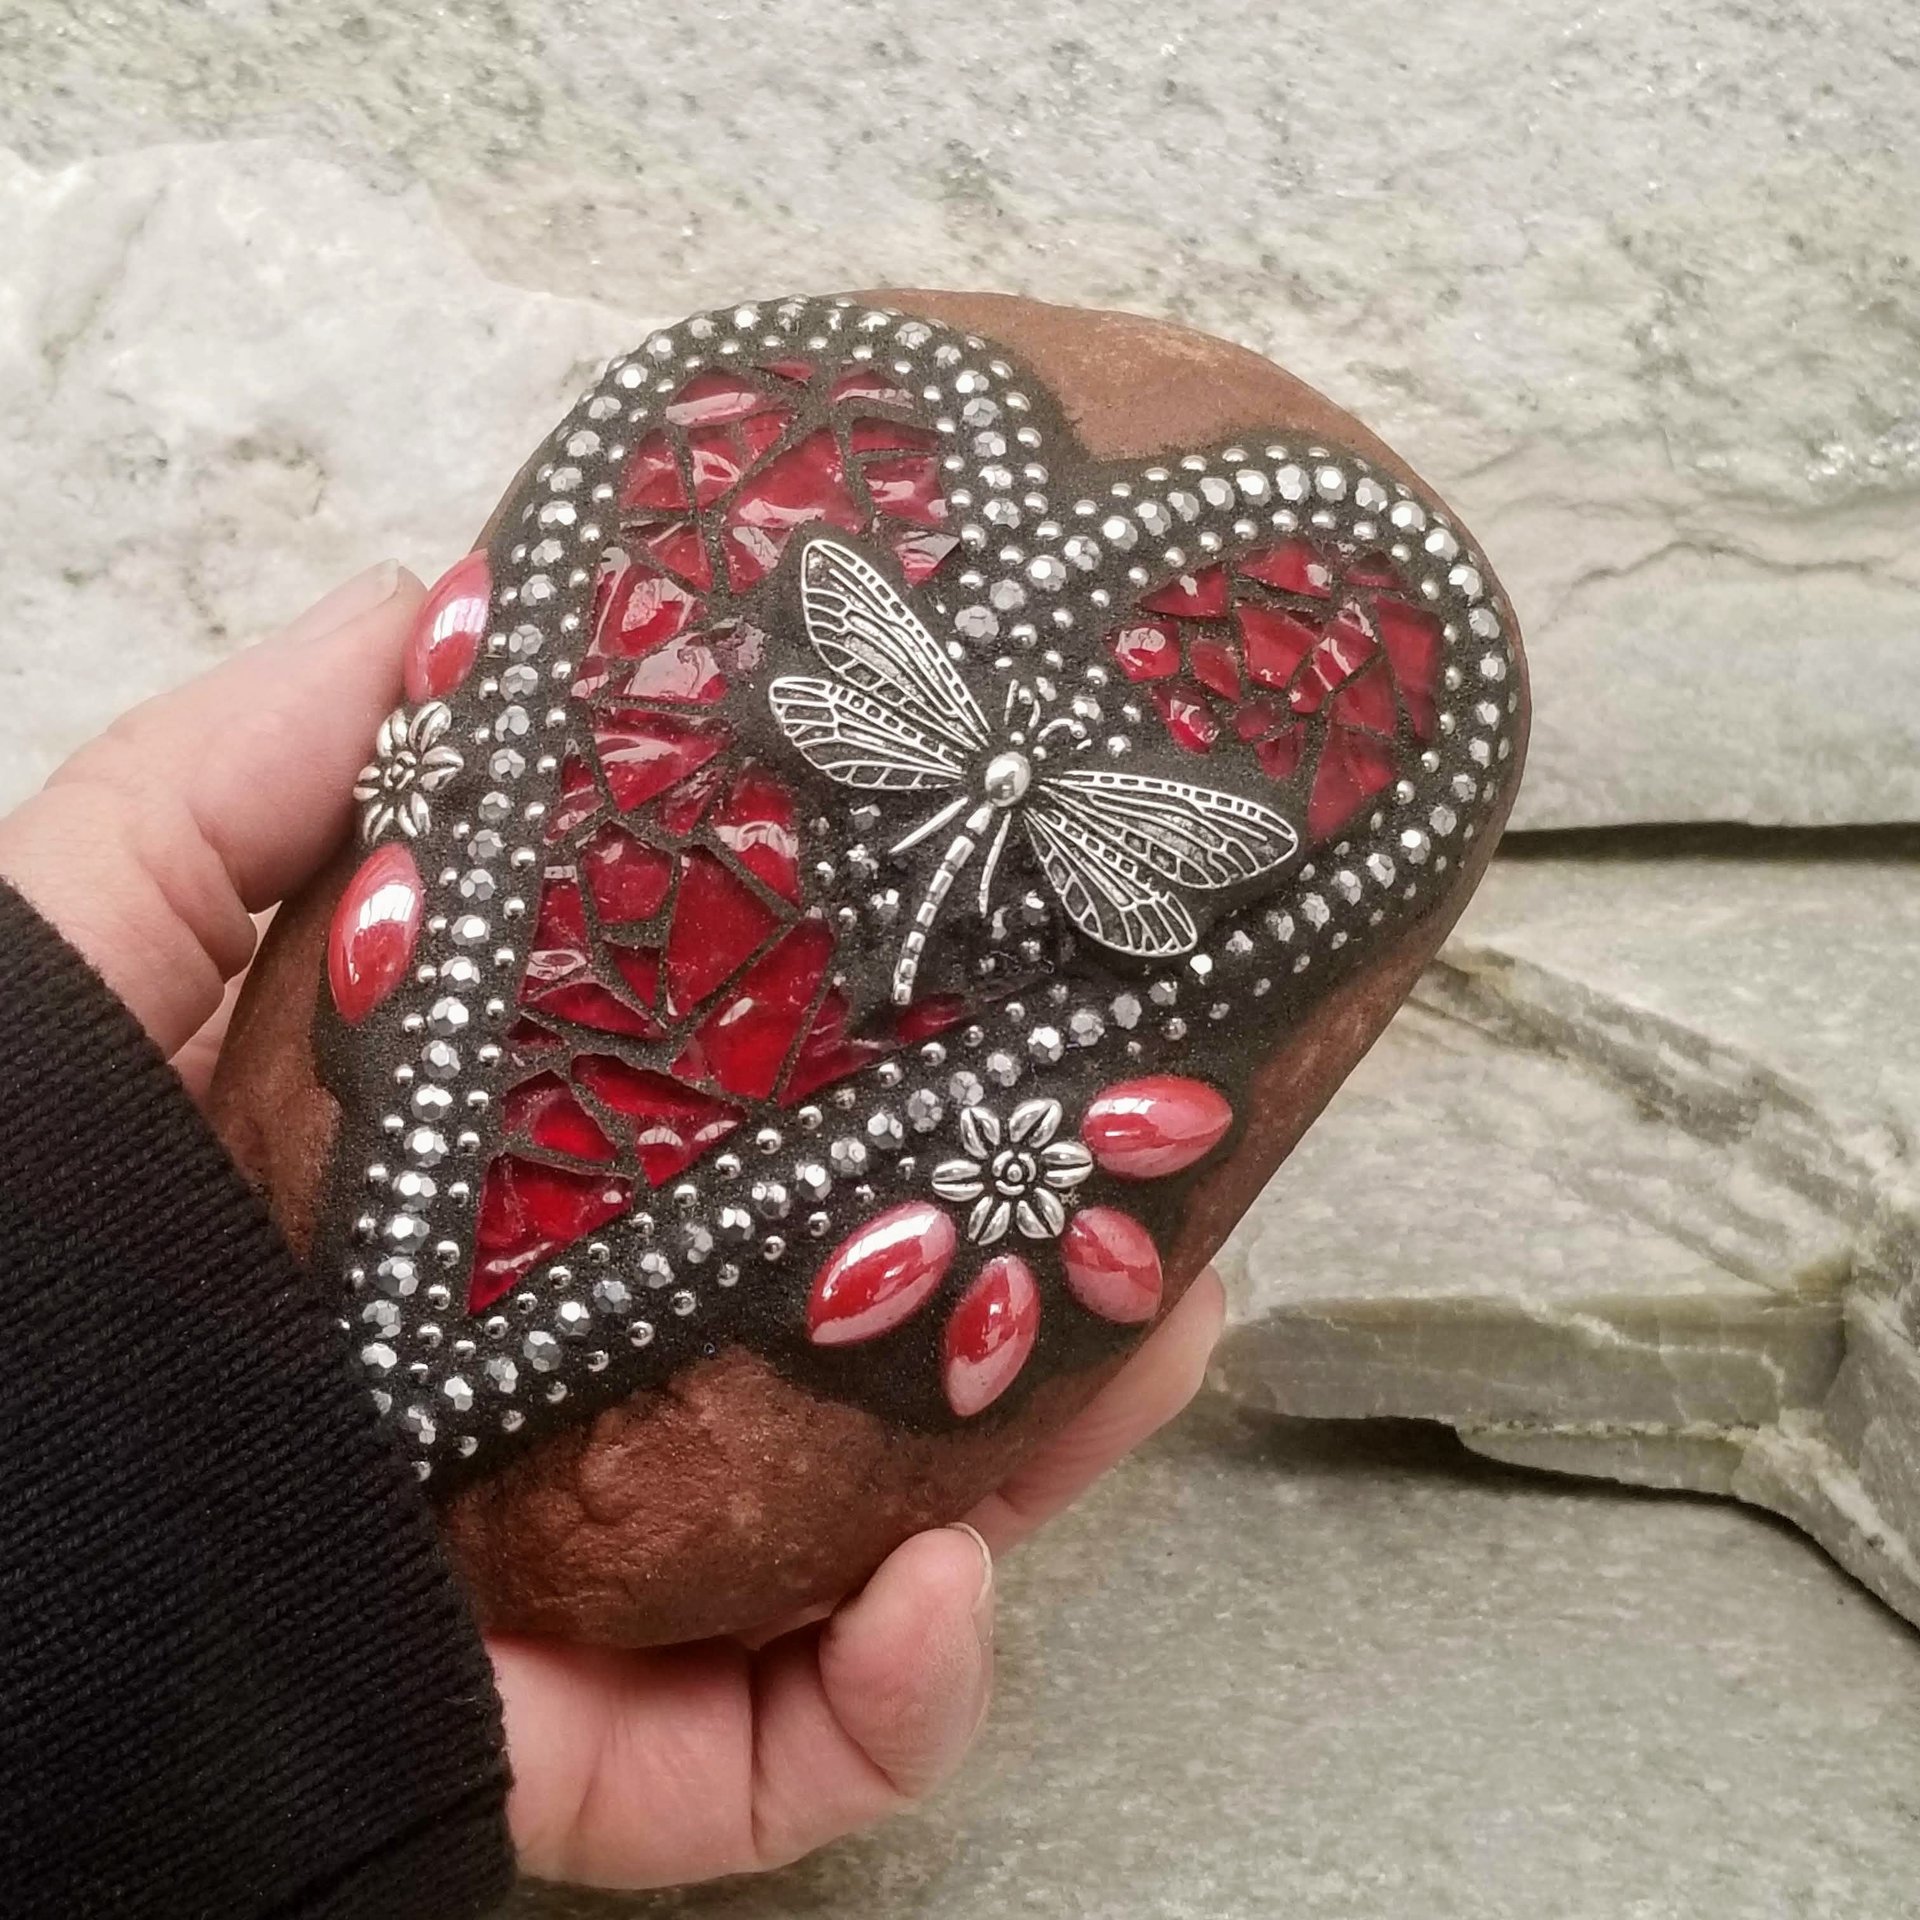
(1118, 848)
(1005, 782)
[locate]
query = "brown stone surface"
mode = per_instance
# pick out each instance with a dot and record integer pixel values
(736, 1497)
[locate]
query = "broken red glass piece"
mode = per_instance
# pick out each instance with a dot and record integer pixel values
(683, 672)
(921, 554)
(1143, 1129)
(865, 383)
(375, 925)
(1353, 768)
(1191, 596)
(881, 1274)
(640, 608)
(1367, 701)
(448, 629)
(1370, 569)
(577, 801)
(643, 754)
(639, 967)
(678, 547)
(673, 1125)
(722, 454)
(1345, 646)
(681, 808)
(528, 1212)
(925, 1018)
(627, 878)
(1295, 566)
(1111, 1265)
(559, 950)
(1147, 649)
(756, 823)
(990, 1335)
(891, 436)
(1279, 755)
(908, 489)
(588, 1004)
(653, 481)
(712, 399)
(1273, 643)
(1411, 637)
(1189, 719)
(719, 922)
(544, 1112)
(805, 485)
(1211, 662)
(745, 1042)
(827, 1054)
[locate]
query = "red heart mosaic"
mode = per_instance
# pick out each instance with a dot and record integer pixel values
(843, 854)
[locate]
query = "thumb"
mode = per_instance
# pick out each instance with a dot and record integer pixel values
(150, 848)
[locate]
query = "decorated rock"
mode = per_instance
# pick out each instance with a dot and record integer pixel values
(909, 811)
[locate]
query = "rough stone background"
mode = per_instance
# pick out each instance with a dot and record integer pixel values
(1630, 1191)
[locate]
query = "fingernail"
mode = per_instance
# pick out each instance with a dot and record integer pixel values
(348, 601)
(983, 1608)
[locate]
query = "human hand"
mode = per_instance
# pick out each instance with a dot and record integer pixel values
(151, 850)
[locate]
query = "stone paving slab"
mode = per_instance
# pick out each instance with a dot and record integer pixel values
(1345, 1672)
(1630, 1189)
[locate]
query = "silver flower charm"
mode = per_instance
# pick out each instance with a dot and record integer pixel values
(408, 764)
(1018, 1182)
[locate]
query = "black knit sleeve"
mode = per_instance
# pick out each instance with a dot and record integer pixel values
(236, 1676)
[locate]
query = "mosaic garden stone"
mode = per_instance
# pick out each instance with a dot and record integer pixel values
(900, 824)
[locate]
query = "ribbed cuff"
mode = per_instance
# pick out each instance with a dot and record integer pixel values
(236, 1675)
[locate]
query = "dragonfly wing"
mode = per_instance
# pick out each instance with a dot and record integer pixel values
(858, 740)
(1107, 893)
(1194, 836)
(875, 642)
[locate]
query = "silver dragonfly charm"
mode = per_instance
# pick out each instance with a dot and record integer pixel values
(897, 717)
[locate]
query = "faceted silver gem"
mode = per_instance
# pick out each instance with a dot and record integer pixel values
(542, 1352)
(848, 1156)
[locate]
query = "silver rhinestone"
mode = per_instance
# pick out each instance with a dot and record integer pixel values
(884, 1128)
(1381, 868)
(967, 1088)
(1126, 1010)
(397, 1277)
(417, 1424)
(924, 1109)
(573, 1318)
(1002, 1069)
(500, 1373)
(612, 1295)
(542, 1352)
(655, 1268)
(405, 1232)
(1045, 1045)
(771, 1200)
(379, 1359)
(1415, 845)
(848, 1156)
(640, 1333)
(426, 1146)
(1085, 1027)
(734, 1223)
(457, 1393)
(812, 1180)
(683, 1303)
